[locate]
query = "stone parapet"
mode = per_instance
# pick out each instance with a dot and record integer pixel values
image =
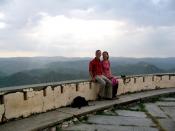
(23, 101)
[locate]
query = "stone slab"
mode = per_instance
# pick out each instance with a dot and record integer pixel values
(98, 105)
(35, 122)
(93, 127)
(94, 106)
(167, 124)
(120, 120)
(160, 103)
(131, 113)
(170, 111)
(169, 99)
(155, 111)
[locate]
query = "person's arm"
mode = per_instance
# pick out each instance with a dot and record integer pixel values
(90, 72)
(91, 75)
(110, 69)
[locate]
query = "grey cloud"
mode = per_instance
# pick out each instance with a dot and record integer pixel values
(140, 13)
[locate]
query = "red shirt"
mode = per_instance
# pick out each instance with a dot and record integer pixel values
(95, 66)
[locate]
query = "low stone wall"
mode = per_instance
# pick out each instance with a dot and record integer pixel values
(23, 101)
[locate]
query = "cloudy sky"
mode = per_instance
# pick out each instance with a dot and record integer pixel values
(129, 28)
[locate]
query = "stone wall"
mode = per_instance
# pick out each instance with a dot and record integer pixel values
(31, 99)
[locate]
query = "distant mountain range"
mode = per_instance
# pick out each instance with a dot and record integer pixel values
(21, 71)
(139, 68)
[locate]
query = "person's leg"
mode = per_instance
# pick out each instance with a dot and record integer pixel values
(115, 86)
(114, 92)
(102, 86)
(108, 87)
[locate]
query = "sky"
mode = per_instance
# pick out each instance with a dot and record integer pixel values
(76, 28)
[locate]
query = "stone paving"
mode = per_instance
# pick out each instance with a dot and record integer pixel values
(152, 116)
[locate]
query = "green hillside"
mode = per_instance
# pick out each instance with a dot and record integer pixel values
(71, 70)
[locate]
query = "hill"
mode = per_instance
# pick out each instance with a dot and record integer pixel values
(135, 69)
(18, 64)
(71, 70)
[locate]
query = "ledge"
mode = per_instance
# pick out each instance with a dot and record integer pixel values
(12, 89)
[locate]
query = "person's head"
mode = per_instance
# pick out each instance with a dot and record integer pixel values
(98, 54)
(105, 55)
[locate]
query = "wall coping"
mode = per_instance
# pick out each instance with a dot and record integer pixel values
(11, 89)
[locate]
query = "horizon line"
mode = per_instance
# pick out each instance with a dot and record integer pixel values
(81, 57)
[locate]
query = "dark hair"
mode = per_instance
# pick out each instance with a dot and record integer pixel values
(97, 51)
(106, 53)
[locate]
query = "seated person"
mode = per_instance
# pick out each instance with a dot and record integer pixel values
(107, 72)
(95, 70)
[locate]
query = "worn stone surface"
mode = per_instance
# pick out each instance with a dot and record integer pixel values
(131, 113)
(87, 92)
(48, 99)
(69, 92)
(135, 108)
(165, 82)
(109, 112)
(167, 124)
(52, 96)
(35, 122)
(170, 111)
(1, 111)
(120, 120)
(99, 105)
(16, 106)
(161, 103)
(93, 127)
(155, 111)
(94, 105)
(168, 99)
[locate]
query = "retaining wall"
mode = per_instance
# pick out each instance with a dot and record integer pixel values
(23, 101)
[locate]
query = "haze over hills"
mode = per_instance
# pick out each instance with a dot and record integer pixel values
(2, 74)
(17, 64)
(13, 65)
(21, 71)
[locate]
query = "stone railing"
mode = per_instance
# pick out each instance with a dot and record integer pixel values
(23, 101)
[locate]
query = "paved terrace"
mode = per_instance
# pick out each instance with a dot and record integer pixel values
(151, 115)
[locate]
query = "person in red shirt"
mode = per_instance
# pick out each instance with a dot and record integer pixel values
(96, 73)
